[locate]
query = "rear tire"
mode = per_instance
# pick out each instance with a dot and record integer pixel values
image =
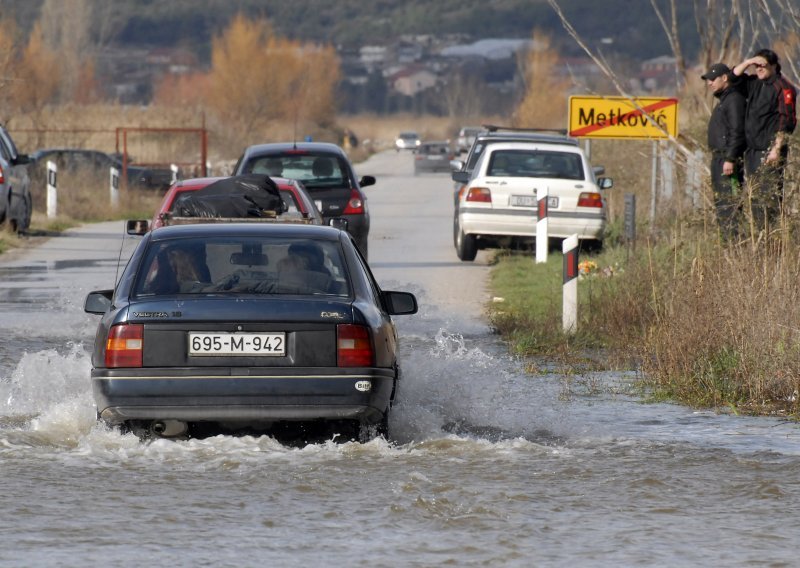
(466, 247)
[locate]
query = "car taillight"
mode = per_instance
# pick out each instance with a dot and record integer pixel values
(461, 191)
(124, 345)
(2, 175)
(481, 194)
(590, 199)
(354, 346)
(355, 205)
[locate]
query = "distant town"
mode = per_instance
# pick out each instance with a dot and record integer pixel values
(425, 74)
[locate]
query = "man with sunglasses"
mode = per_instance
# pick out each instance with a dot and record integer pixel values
(727, 145)
(770, 117)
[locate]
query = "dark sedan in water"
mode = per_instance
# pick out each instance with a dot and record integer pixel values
(243, 326)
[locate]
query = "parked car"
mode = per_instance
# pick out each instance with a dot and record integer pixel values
(231, 327)
(297, 203)
(495, 134)
(16, 204)
(95, 162)
(325, 172)
(433, 157)
(498, 205)
(407, 141)
(466, 137)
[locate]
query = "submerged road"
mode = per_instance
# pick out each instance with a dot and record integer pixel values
(487, 465)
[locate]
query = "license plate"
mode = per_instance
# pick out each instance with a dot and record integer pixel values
(523, 201)
(434, 157)
(251, 344)
(530, 201)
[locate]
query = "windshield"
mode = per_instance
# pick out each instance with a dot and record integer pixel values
(535, 163)
(242, 265)
(313, 170)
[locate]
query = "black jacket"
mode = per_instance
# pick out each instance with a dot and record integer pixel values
(726, 126)
(770, 109)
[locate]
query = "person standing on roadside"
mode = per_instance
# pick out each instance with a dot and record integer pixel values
(770, 117)
(727, 143)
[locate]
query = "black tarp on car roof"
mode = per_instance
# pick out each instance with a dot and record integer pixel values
(246, 195)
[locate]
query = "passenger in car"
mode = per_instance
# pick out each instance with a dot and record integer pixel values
(313, 256)
(322, 168)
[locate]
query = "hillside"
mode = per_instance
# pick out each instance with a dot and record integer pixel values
(633, 28)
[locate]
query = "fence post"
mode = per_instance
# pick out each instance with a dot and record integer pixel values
(541, 226)
(52, 192)
(570, 288)
(114, 186)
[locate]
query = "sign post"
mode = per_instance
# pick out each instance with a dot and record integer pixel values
(541, 225)
(114, 187)
(52, 192)
(570, 288)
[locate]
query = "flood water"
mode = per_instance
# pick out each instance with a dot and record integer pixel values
(487, 465)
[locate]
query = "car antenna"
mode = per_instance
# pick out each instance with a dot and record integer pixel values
(121, 245)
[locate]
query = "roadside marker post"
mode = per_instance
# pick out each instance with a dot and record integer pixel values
(541, 226)
(570, 288)
(52, 192)
(174, 169)
(114, 186)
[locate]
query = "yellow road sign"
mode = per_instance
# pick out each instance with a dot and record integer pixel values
(620, 117)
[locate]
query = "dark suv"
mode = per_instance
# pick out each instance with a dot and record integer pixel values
(325, 172)
(15, 195)
(80, 160)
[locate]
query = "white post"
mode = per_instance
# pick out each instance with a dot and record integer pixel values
(541, 225)
(52, 192)
(570, 288)
(668, 155)
(114, 186)
(654, 184)
(174, 169)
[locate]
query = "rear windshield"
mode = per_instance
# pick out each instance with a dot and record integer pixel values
(242, 265)
(535, 163)
(313, 170)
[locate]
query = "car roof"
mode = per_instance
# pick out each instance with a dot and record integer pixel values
(525, 136)
(42, 151)
(522, 144)
(275, 147)
(319, 232)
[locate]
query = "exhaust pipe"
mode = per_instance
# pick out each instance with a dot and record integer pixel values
(168, 428)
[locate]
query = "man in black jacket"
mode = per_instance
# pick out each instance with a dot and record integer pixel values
(727, 143)
(770, 117)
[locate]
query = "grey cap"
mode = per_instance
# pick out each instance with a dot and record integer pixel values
(716, 70)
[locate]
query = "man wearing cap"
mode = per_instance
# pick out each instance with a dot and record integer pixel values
(727, 143)
(770, 117)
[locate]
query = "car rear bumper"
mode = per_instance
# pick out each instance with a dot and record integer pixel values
(242, 394)
(522, 223)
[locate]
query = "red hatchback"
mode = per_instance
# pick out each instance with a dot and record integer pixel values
(296, 201)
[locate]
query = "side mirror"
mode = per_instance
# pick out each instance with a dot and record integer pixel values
(338, 223)
(598, 170)
(22, 159)
(605, 183)
(460, 177)
(137, 227)
(98, 302)
(366, 181)
(456, 165)
(400, 303)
